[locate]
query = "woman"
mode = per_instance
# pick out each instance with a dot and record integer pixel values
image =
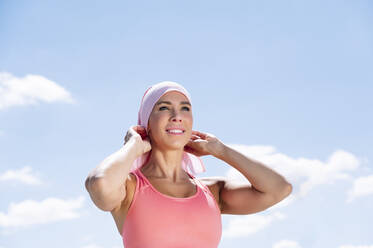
(150, 188)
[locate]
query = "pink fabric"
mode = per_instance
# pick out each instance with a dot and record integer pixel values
(190, 163)
(156, 220)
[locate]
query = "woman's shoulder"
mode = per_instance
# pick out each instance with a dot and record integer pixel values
(215, 185)
(131, 182)
(119, 214)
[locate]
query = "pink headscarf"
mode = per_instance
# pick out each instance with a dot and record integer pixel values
(190, 163)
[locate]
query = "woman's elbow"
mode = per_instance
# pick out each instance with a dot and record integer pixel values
(285, 191)
(288, 188)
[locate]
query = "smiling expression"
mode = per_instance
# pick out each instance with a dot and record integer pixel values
(172, 111)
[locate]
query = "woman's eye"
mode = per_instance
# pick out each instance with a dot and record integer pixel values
(187, 108)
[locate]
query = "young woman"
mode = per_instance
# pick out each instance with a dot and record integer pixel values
(150, 188)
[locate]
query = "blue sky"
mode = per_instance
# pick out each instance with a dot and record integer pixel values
(288, 83)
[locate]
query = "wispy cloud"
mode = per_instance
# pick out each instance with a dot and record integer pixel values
(23, 175)
(286, 244)
(240, 226)
(362, 186)
(89, 240)
(93, 245)
(30, 212)
(356, 246)
(303, 173)
(30, 89)
(284, 203)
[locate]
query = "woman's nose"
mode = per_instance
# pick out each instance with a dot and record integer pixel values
(176, 116)
(176, 119)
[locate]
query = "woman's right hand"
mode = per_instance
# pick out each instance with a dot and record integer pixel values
(139, 136)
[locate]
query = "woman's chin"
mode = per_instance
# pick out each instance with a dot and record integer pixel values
(175, 146)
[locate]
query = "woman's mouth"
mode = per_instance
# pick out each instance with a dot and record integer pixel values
(175, 131)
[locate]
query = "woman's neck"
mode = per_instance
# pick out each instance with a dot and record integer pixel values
(166, 165)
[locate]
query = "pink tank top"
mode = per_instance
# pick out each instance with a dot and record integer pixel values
(156, 220)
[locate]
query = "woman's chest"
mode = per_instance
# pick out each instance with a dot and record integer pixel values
(155, 196)
(173, 216)
(175, 190)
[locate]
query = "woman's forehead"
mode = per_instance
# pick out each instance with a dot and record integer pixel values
(173, 95)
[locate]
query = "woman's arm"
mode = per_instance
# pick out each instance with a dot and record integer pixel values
(267, 187)
(106, 182)
(262, 178)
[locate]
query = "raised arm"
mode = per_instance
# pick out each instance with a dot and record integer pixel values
(267, 186)
(106, 183)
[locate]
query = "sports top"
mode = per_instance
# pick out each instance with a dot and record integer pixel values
(156, 220)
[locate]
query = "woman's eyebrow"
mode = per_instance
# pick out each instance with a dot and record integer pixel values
(167, 102)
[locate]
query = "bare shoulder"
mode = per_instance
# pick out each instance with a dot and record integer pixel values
(120, 212)
(130, 190)
(215, 184)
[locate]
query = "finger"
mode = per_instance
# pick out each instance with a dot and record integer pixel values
(199, 133)
(142, 132)
(132, 132)
(191, 144)
(139, 128)
(195, 137)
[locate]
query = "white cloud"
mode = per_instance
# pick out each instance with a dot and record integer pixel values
(30, 89)
(286, 244)
(23, 175)
(285, 202)
(240, 226)
(356, 246)
(362, 186)
(92, 245)
(30, 212)
(304, 174)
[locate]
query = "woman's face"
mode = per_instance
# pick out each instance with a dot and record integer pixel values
(172, 110)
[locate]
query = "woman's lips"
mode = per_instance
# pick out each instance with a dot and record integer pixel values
(180, 133)
(176, 133)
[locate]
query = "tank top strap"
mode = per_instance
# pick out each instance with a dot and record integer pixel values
(199, 183)
(141, 180)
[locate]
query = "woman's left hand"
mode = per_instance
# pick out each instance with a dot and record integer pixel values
(201, 144)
